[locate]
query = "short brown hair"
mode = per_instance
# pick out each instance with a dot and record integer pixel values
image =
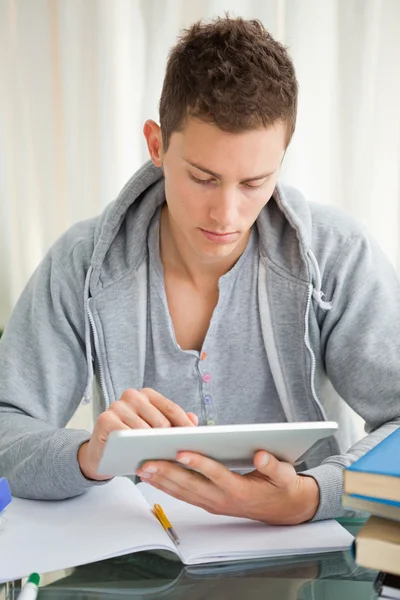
(229, 72)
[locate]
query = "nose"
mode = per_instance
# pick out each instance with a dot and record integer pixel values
(224, 210)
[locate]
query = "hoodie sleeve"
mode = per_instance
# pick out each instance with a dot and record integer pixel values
(42, 380)
(360, 339)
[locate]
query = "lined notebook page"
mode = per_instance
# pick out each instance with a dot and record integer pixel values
(210, 538)
(105, 521)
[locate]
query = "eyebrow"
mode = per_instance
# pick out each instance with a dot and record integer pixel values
(217, 176)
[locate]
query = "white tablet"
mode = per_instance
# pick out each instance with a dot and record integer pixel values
(232, 445)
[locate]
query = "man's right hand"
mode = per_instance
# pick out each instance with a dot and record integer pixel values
(134, 410)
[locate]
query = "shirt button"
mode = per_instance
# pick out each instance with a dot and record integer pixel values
(210, 422)
(206, 377)
(207, 400)
(203, 356)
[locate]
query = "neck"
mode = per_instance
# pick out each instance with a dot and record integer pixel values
(178, 256)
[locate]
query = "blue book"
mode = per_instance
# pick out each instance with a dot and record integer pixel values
(5, 498)
(389, 509)
(377, 474)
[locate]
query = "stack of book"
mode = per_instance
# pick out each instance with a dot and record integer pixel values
(372, 485)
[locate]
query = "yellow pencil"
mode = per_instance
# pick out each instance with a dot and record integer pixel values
(162, 517)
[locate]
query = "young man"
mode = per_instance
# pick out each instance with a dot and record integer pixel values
(197, 298)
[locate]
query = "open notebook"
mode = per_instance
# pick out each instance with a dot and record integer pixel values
(117, 519)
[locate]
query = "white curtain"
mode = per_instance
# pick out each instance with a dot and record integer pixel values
(79, 77)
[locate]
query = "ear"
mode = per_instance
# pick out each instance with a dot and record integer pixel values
(152, 133)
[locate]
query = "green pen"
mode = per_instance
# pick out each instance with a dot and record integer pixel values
(31, 588)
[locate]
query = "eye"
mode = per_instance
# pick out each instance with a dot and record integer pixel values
(249, 186)
(201, 181)
(252, 187)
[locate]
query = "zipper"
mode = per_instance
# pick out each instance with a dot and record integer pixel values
(97, 350)
(312, 355)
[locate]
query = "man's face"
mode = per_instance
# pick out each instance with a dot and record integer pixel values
(216, 183)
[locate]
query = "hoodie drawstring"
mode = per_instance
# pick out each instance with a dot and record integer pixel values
(317, 293)
(87, 396)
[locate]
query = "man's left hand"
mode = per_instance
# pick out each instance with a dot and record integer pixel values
(273, 493)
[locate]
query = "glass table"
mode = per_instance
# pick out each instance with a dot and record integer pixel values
(148, 575)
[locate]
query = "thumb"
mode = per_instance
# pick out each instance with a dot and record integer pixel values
(281, 474)
(193, 418)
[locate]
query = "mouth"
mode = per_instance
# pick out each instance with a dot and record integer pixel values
(222, 238)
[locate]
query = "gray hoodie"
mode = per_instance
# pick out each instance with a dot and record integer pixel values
(80, 327)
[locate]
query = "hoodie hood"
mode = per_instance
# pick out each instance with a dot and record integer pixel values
(129, 213)
(286, 215)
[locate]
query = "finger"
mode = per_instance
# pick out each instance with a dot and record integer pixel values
(211, 469)
(194, 418)
(128, 416)
(162, 470)
(140, 404)
(173, 412)
(178, 482)
(171, 488)
(107, 422)
(281, 474)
